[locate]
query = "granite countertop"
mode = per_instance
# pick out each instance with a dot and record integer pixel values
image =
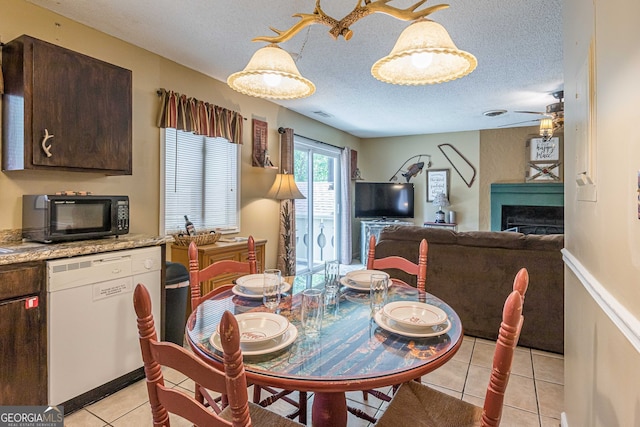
(12, 252)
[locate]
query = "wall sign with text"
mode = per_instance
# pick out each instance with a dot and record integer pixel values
(544, 160)
(437, 182)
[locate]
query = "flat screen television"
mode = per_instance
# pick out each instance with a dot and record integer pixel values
(384, 200)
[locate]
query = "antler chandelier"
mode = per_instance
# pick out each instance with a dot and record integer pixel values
(423, 54)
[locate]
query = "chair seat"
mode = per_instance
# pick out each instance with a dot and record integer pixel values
(416, 405)
(261, 417)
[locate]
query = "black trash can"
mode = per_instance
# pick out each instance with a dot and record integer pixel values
(177, 290)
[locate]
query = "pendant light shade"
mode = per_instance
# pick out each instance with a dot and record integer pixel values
(424, 54)
(271, 73)
(546, 129)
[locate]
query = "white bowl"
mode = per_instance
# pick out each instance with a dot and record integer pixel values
(414, 315)
(363, 277)
(257, 328)
(251, 282)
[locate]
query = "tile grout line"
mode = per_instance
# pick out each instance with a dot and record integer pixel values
(466, 377)
(535, 388)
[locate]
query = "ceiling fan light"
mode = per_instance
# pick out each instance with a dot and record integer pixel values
(546, 128)
(271, 73)
(424, 37)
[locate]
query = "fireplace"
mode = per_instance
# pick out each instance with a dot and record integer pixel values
(529, 208)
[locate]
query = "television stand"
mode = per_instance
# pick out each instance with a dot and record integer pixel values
(374, 227)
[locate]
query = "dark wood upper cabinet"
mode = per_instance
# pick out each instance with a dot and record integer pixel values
(84, 103)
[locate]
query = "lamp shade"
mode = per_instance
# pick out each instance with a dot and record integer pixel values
(424, 54)
(271, 73)
(284, 187)
(441, 200)
(546, 128)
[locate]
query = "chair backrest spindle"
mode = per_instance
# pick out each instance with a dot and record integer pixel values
(502, 359)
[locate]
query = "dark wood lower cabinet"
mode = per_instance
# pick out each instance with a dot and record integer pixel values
(23, 340)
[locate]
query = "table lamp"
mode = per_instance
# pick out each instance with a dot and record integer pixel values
(284, 188)
(441, 201)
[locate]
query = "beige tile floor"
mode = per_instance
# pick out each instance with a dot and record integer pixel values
(534, 396)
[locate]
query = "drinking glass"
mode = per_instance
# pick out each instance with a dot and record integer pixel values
(271, 288)
(331, 304)
(331, 276)
(378, 289)
(312, 311)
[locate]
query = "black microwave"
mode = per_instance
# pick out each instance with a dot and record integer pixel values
(60, 218)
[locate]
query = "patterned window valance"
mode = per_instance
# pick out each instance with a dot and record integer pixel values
(191, 115)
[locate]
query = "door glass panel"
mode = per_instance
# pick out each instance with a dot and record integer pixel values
(301, 174)
(316, 170)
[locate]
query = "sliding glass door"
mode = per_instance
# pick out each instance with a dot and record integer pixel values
(317, 174)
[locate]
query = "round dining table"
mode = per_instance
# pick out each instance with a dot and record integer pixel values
(352, 352)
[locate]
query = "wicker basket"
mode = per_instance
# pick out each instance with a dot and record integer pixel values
(204, 238)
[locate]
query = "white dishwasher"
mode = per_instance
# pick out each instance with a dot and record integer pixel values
(91, 323)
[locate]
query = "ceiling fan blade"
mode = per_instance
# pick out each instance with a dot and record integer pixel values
(532, 112)
(518, 123)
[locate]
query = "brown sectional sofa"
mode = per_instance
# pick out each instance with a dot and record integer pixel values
(474, 271)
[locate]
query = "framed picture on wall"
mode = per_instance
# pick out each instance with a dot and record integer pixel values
(544, 159)
(437, 182)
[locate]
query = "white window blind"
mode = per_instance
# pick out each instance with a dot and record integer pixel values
(201, 181)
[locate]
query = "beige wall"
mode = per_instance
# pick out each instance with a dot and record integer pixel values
(381, 158)
(259, 216)
(498, 155)
(603, 236)
(502, 159)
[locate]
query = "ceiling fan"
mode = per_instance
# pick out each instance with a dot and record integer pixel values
(552, 119)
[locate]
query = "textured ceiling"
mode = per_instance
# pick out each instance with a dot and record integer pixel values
(518, 44)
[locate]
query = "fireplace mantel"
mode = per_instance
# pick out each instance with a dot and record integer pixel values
(523, 194)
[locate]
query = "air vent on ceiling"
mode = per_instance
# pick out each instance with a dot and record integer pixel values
(494, 113)
(322, 114)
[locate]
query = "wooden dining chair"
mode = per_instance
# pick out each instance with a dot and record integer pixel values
(399, 263)
(232, 382)
(196, 277)
(396, 262)
(417, 404)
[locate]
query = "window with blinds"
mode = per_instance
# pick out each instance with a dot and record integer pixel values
(201, 181)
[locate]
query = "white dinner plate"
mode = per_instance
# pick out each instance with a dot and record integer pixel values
(245, 293)
(415, 316)
(363, 277)
(381, 320)
(353, 285)
(270, 346)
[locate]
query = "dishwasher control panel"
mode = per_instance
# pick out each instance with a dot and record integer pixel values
(82, 270)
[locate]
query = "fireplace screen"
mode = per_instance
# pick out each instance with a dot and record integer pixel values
(533, 219)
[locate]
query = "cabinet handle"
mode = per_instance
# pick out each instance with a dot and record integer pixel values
(46, 147)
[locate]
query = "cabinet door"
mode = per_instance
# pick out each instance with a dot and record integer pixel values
(86, 105)
(83, 104)
(209, 257)
(23, 373)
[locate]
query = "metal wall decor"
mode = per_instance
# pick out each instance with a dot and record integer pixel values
(464, 167)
